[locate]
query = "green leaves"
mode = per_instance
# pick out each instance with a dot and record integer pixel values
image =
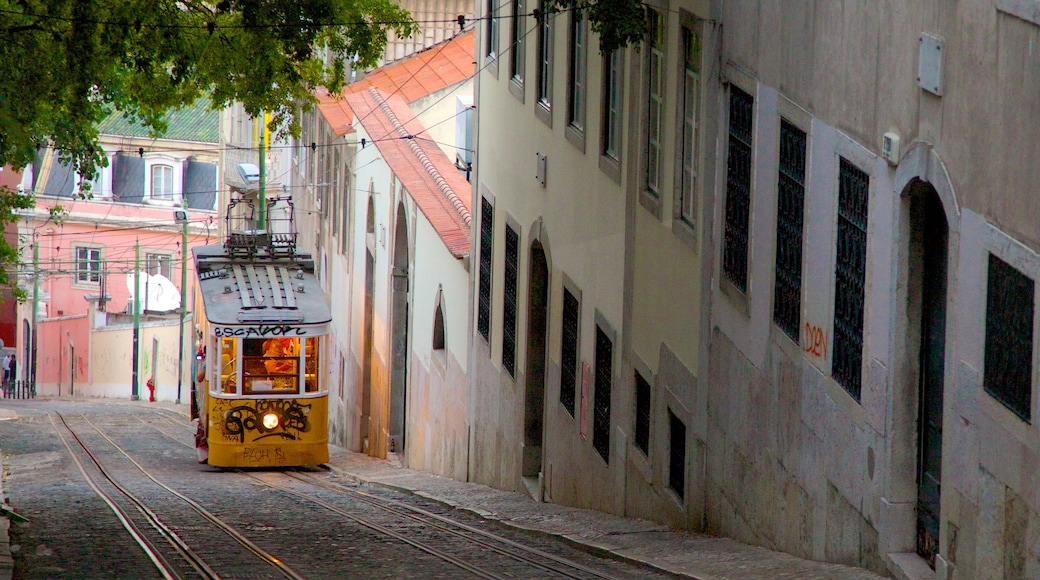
(618, 23)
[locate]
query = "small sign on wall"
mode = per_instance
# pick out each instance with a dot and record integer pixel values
(584, 423)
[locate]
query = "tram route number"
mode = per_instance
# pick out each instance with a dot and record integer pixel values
(266, 330)
(259, 454)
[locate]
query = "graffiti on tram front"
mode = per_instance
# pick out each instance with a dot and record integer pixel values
(263, 454)
(244, 421)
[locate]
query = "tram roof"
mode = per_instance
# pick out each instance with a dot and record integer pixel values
(254, 291)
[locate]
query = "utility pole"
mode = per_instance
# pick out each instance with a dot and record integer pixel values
(134, 390)
(263, 170)
(182, 217)
(36, 310)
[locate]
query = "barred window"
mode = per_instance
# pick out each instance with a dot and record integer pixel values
(576, 72)
(676, 455)
(1008, 371)
(601, 403)
(487, 238)
(787, 301)
(569, 350)
(512, 267)
(850, 277)
(738, 189)
(642, 414)
(654, 99)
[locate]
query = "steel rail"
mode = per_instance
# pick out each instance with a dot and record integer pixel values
(486, 539)
(157, 559)
(248, 544)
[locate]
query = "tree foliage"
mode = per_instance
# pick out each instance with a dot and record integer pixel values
(65, 65)
(618, 23)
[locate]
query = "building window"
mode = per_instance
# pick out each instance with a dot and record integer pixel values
(642, 414)
(850, 277)
(438, 328)
(569, 350)
(162, 182)
(787, 301)
(88, 265)
(654, 99)
(691, 102)
(516, 54)
(512, 268)
(492, 29)
(738, 189)
(344, 208)
(676, 455)
(487, 238)
(612, 105)
(576, 71)
(1008, 371)
(601, 404)
(159, 264)
(545, 57)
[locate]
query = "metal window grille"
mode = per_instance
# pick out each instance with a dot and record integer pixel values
(1008, 360)
(569, 351)
(691, 103)
(512, 268)
(655, 99)
(601, 405)
(676, 455)
(576, 81)
(642, 414)
(612, 105)
(516, 54)
(787, 301)
(545, 56)
(487, 238)
(88, 265)
(738, 189)
(850, 275)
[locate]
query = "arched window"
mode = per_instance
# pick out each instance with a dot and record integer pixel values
(438, 328)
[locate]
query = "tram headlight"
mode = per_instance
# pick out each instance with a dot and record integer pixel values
(270, 421)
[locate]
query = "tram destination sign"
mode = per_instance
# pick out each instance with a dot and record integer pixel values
(269, 330)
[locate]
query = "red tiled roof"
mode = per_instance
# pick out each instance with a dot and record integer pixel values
(431, 179)
(422, 74)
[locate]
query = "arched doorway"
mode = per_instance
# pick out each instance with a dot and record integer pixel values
(399, 334)
(928, 256)
(534, 391)
(366, 348)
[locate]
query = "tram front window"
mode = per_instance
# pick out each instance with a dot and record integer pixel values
(312, 376)
(228, 367)
(270, 365)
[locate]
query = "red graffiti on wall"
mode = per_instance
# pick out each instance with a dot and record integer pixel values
(815, 340)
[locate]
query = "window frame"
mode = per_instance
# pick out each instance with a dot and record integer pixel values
(546, 53)
(642, 427)
(603, 382)
(655, 63)
(570, 374)
(850, 379)
(612, 114)
(687, 143)
(517, 50)
(510, 296)
(485, 271)
(993, 357)
(83, 265)
(167, 190)
(159, 259)
(577, 74)
(781, 308)
(738, 241)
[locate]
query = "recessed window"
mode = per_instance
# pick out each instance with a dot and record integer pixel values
(576, 71)
(690, 107)
(676, 455)
(88, 265)
(612, 105)
(159, 264)
(1008, 371)
(545, 57)
(850, 272)
(655, 66)
(516, 54)
(569, 350)
(509, 306)
(491, 50)
(787, 301)
(601, 403)
(487, 240)
(738, 189)
(438, 328)
(162, 182)
(642, 414)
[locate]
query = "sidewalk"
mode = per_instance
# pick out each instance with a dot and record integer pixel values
(687, 556)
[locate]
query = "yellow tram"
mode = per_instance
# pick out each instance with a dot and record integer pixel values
(263, 401)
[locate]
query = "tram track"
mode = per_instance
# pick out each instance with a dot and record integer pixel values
(166, 568)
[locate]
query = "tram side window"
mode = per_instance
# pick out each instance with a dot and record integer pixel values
(228, 369)
(313, 354)
(270, 365)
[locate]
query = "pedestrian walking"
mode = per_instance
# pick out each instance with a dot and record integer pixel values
(7, 367)
(13, 369)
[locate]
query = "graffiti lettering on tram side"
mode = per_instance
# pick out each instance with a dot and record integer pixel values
(259, 331)
(243, 420)
(815, 340)
(263, 454)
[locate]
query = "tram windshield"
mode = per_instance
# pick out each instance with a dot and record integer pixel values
(279, 366)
